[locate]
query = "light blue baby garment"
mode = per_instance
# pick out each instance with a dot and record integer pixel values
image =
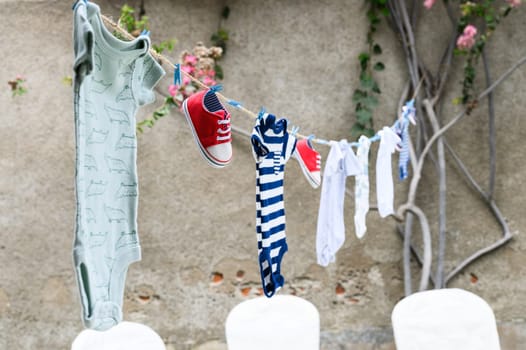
(112, 79)
(361, 187)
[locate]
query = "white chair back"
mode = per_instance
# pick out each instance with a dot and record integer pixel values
(124, 336)
(280, 322)
(444, 319)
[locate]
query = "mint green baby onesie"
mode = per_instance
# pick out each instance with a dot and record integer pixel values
(112, 79)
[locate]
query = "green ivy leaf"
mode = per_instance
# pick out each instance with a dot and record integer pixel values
(364, 116)
(364, 60)
(219, 71)
(358, 96)
(226, 12)
(366, 81)
(379, 66)
(370, 101)
(357, 130)
(377, 50)
(369, 132)
(376, 88)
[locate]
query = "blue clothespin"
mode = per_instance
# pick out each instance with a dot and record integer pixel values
(294, 130)
(312, 138)
(216, 88)
(177, 74)
(234, 104)
(262, 112)
(145, 32)
(409, 112)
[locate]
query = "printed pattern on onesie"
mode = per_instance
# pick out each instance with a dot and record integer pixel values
(272, 146)
(119, 79)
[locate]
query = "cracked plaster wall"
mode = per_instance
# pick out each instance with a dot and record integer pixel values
(196, 224)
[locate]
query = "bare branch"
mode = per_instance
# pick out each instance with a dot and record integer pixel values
(426, 240)
(477, 255)
(491, 136)
(441, 197)
(414, 251)
(465, 171)
(417, 174)
(406, 254)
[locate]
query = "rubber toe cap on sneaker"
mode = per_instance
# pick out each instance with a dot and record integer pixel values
(221, 153)
(316, 176)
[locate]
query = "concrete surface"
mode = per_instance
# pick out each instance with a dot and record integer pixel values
(298, 59)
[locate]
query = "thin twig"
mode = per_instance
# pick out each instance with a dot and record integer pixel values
(445, 67)
(465, 170)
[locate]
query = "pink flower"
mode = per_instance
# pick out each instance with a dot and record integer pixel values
(208, 81)
(211, 73)
(467, 39)
(172, 90)
(514, 3)
(190, 59)
(470, 31)
(429, 3)
(186, 80)
(187, 69)
(200, 73)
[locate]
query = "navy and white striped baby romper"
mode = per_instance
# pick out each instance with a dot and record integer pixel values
(272, 146)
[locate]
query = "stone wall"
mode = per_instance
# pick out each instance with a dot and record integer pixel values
(196, 223)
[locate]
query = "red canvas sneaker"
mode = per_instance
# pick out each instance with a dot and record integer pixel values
(310, 161)
(210, 125)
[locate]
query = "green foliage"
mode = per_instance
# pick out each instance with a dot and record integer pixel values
(67, 80)
(219, 71)
(17, 86)
(135, 26)
(365, 96)
(225, 13)
(486, 15)
(220, 38)
(167, 45)
(128, 21)
(159, 113)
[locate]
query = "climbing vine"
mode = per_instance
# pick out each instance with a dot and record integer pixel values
(365, 97)
(484, 15)
(135, 22)
(473, 23)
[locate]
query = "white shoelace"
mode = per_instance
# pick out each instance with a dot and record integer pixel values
(225, 132)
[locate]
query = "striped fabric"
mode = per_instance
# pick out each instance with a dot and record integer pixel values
(408, 115)
(211, 102)
(404, 152)
(272, 146)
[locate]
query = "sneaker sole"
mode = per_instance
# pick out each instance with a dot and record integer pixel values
(306, 172)
(210, 160)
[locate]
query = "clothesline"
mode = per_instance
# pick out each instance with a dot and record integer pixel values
(163, 59)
